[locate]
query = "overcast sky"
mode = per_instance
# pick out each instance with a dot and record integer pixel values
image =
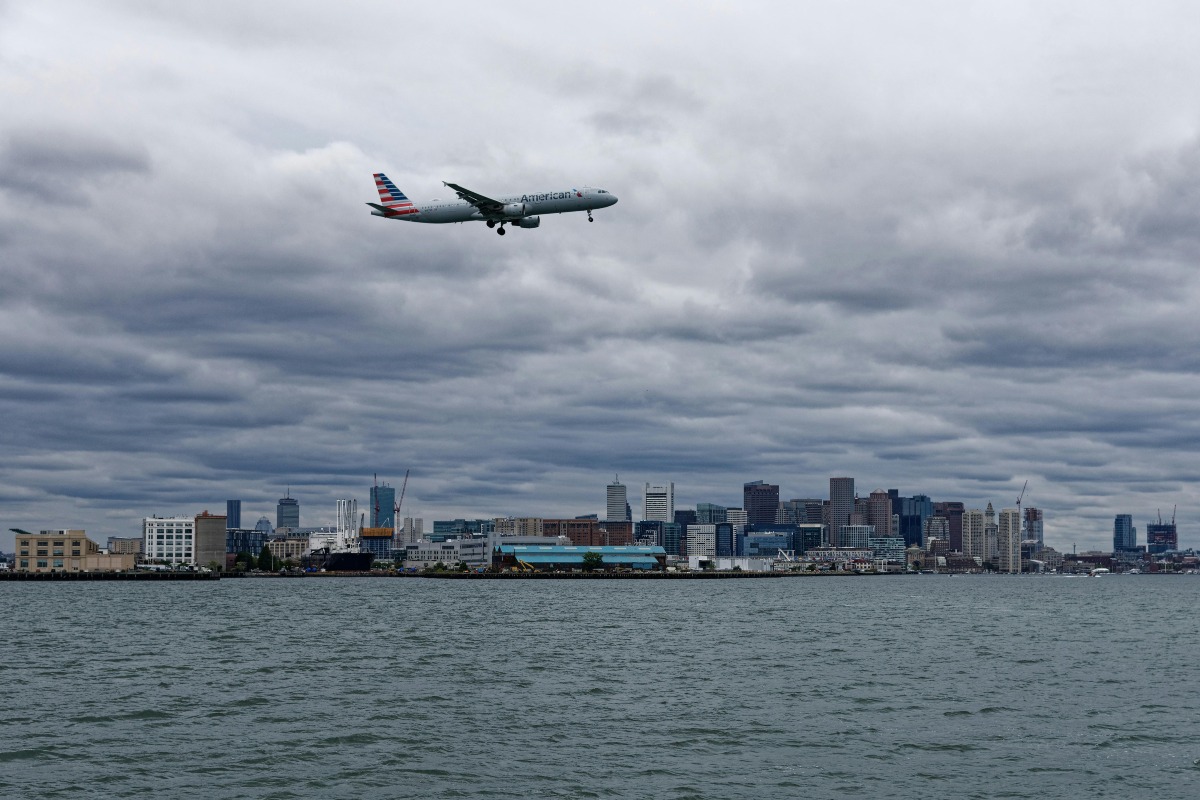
(941, 247)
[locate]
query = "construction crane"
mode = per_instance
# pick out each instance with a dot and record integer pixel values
(396, 521)
(1021, 518)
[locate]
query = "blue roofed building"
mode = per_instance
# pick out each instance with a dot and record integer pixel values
(570, 557)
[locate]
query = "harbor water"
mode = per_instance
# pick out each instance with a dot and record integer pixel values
(909, 687)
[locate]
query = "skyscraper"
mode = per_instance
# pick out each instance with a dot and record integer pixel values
(383, 506)
(711, 513)
(760, 500)
(1008, 541)
(879, 513)
(841, 506)
(952, 512)
(1124, 534)
(658, 502)
(618, 505)
(233, 514)
(1161, 536)
(973, 535)
(287, 513)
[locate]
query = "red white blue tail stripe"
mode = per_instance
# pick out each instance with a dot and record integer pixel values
(392, 198)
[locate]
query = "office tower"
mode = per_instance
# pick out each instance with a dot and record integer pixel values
(856, 536)
(414, 530)
(233, 514)
(1008, 541)
(709, 514)
(617, 506)
(879, 513)
(952, 512)
(287, 513)
(658, 502)
(841, 506)
(685, 517)
(672, 538)
(1034, 526)
(383, 506)
(913, 513)
(1161, 536)
(760, 500)
(973, 534)
(726, 540)
(736, 517)
(935, 528)
(1124, 534)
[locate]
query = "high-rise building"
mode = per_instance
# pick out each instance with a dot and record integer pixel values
(287, 513)
(383, 506)
(737, 518)
(702, 541)
(414, 530)
(879, 513)
(990, 534)
(1034, 526)
(233, 514)
(1008, 541)
(973, 542)
(841, 506)
(1124, 534)
(617, 503)
(913, 513)
(710, 513)
(658, 502)
(760, 500)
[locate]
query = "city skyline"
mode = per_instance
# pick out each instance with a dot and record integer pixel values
(945, 248)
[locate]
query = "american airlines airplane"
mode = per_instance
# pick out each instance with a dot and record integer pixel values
(522, 211)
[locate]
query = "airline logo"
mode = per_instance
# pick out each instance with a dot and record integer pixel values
(533, 198)
(397, 204)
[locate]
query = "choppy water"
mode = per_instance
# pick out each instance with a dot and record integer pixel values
(908, 687)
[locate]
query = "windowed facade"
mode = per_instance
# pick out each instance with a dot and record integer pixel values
(169, 540)
(63, 551)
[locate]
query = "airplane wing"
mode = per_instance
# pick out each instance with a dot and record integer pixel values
(485, 204)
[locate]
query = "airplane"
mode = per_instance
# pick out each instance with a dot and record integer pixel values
(521, 211)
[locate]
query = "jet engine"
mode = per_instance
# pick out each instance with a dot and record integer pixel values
(514, 210)
(528, 222)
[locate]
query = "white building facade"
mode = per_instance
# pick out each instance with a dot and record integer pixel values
(169, 539)
(658, 502)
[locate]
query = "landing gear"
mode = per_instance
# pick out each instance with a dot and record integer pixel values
(491, 223)
(500, 230)
(590, 216)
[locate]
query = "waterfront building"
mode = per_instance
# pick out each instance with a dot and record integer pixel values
(726, 539)
(518, 526)
(475, 553)
(287, 512)
(170, 540)
(542, 557)
(66, 550)
(211, 534)
(1161, 537)
(702, 541)
(913, 513)
(125, 545)
(383, 506)
(766, 544)
(616, 501)
(839, 555)
(444, 529)
(973, 541)
(649, 532)
(841, 506)
(1124, 534)
(856, 536)
(288, 548)
(233, 514)
(246, 540)
(658, 502)
(879, 512)
(1008, 541)
(887, 548)
(760, 501)
(379, 541)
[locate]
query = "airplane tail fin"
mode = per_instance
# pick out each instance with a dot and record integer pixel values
(389, 195)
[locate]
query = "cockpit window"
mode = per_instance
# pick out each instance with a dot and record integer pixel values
(601, 191)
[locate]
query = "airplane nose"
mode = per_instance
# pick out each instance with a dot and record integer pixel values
(612, 199)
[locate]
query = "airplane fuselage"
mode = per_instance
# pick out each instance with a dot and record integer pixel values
(516, 206)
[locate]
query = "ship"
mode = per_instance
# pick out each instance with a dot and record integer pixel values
(347, 560)
(340, 550)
